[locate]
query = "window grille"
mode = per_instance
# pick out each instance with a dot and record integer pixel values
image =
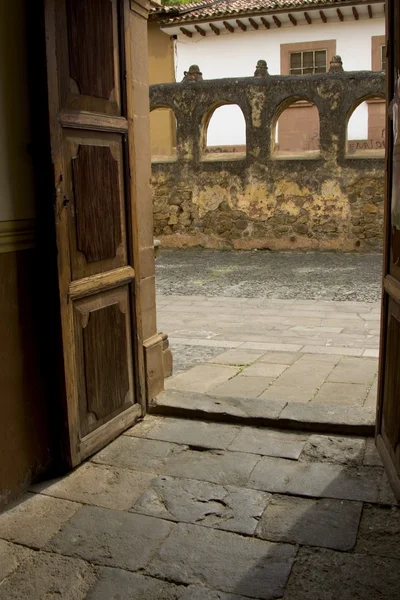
(308, 62)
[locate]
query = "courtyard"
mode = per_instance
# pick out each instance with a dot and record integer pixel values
(191, 509)
(294, 335)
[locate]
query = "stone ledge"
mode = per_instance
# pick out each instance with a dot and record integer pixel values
(266, 413)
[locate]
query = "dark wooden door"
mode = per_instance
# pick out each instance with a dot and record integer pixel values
(388, 417)
(86, 48)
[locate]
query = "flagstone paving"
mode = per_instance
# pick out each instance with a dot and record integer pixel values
(186, 510)
(299, 351)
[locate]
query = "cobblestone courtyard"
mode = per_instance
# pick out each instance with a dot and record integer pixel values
(289, 328)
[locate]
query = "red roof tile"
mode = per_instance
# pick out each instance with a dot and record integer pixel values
(212, 9)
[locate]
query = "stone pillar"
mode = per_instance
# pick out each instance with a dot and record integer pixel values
(151, 343)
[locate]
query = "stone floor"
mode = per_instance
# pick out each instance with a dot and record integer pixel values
(310, 352)
(273, 327)
(178, 509)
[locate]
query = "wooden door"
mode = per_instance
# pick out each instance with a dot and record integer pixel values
(388, 416)
(86, 45)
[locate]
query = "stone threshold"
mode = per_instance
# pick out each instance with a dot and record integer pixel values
(346, 420)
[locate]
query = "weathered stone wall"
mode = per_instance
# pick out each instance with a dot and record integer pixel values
(258, 199)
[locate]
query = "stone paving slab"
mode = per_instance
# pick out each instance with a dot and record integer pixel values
(271, 412)
(124, 585)
(354, 370)
(346, 394)
(50, 576)
(109, 487)
(35, 519)
(237, 357)
(325, 574)
(194, 433)
(222, 507)
(353, 420)
(268, 442)
(225, 561)
(135, 453)
(242, 387)
(325, 522)
(216, 466)
(379, 532)
(201, 378)
(204, 406)
(371, 455)
(316, 479)
(111, 537)
(264, 370)
(11, 556)
(301, 394)
(336, 449)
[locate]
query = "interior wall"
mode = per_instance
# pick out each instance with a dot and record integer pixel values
(25, 447)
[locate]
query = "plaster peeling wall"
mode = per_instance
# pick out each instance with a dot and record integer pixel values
(326, 200)
(235, 55)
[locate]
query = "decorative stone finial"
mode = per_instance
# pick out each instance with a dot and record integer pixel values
(336, 65)
(194, 74)
(261, 69)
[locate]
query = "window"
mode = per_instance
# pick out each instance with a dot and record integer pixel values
(383, 58)
(378, 53)
(307, 58)
(308, 63)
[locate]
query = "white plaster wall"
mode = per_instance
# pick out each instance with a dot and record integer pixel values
(227, 127)
(236, 55)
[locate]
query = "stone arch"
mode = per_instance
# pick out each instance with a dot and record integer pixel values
(366, 127)
(163, 127)
(296, 129)
(223, 131)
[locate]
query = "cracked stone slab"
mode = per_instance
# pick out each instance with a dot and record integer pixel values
(269, 442)
(35, 519)
(204, 406)
(45, 575)
(225, 561)
(329, 575)
(116, 584)
(216, 466)
(229, 508)
(111, 537)
(355, 420)
(109, 487)
(325, 522)
(135, 453)
(11, 556)
(379, 532)
(316, 479)
(195, 433)
(334, 449)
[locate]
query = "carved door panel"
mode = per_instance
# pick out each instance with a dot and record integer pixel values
(388, 417)
(85, 49)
